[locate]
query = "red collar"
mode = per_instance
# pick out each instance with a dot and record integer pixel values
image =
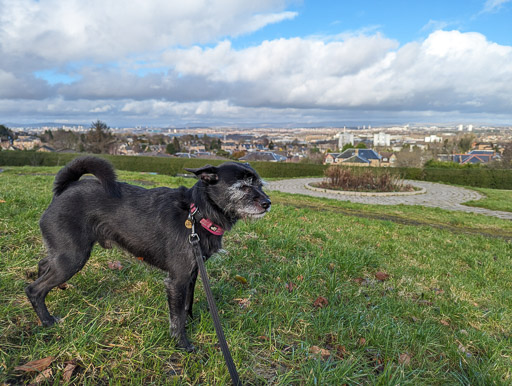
(205, 222)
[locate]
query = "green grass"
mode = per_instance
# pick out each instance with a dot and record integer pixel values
(495, 199)
(447, 305)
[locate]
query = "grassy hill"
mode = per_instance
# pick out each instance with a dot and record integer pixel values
(336, 293)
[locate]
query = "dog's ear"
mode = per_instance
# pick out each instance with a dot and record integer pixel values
(207, 174)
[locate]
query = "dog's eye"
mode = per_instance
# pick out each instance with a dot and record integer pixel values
(246, 188)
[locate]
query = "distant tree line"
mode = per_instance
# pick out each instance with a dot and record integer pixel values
(100, 139)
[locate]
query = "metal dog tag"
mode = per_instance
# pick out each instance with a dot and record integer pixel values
(188, 224)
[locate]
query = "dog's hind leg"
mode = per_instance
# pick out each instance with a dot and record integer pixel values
(189, 302)
(177, 295)
(53, 271)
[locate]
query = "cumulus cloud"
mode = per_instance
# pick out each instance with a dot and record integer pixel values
(448, 70)
(60, 31)
(166, 71)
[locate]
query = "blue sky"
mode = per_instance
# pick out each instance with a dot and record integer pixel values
(272, 62)
(404, 20)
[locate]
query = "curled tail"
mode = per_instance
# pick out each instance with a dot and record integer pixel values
(99, 167)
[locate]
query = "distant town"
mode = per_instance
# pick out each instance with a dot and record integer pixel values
(404, 146)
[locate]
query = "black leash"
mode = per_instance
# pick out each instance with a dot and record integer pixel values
(194, 240)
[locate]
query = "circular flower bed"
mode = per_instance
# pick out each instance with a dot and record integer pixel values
(362, 180)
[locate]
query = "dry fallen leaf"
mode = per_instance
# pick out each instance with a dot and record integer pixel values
(37, 365)
(320, 302)
(381, 276)
(2, 201)
(331, 267)
(444, 322)
(290, 286)
(300, 278)
(244, 303)
(68, 371)
(404, 359)
(115, 265)
(325, 354)
(341, 352)
(43, 376)
(362, 341)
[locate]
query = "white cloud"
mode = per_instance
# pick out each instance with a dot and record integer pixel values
(448, 70)
(59, 31)
(101, 109)
(493, 5)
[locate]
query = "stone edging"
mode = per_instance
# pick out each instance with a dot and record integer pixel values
(350, 193)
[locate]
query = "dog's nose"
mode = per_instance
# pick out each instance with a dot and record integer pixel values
(265, 203)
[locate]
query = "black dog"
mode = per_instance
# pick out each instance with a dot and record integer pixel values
(153, 224)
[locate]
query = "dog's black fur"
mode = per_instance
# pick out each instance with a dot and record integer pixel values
(149, 223)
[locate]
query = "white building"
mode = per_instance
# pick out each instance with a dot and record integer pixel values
(345, 138)
(433, 138)
(381, 139)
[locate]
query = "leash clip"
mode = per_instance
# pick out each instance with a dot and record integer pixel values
(193, 237)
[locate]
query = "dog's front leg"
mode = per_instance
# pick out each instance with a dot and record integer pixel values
(177, 290)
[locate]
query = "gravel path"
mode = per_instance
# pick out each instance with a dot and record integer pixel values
(436, 195)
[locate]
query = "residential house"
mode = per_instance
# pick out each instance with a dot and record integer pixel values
(126, 149)
(483, 146)
(246, 146)
(46, 149)
(388, 159)
(25, 142)
(5, 144)
(230, 147)
(475, 157)
(354, 157)
(196, 148)
(331, 158)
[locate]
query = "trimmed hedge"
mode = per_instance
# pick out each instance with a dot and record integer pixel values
(288, 170)
(162, 165)
(479, 177)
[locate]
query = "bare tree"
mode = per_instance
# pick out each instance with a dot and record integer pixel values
(409, 159)
(99, 139)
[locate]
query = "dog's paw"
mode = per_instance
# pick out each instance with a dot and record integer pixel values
(51, 321)
(185, 345)
(190, 348)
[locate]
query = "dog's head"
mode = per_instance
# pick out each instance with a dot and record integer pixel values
(235, 188)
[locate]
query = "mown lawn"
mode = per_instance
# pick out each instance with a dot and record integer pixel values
(495, 199)
(336, 293)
